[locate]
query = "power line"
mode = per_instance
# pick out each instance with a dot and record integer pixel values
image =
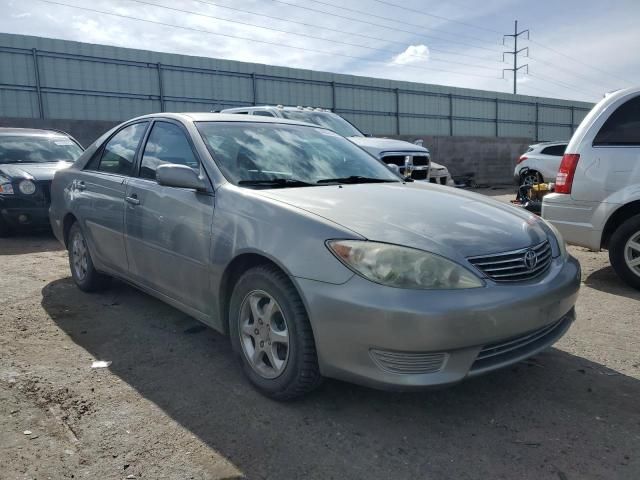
(573, 88)
(199, 30)
(558, 67)
(384, 50)
(557, 52)
(387, 27)
(320, 27)
(439, 17)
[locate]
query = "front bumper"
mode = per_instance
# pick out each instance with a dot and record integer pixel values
(19, 213)
(403, 339)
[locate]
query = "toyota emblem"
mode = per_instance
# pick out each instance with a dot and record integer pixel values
(530, 259)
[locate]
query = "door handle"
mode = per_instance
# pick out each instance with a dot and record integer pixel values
(133, 199)
(81, 186)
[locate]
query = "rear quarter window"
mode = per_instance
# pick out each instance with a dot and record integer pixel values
(622, 128)
(555, 150)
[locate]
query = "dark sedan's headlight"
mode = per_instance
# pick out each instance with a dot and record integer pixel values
(402, 267)
(27, 187)
(5, 186)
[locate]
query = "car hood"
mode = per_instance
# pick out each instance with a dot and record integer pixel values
(32, 171)
(453, 223)
(376, 146)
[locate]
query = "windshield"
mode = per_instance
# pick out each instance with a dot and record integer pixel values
(32, 149)
(324, 119)
(250, 154)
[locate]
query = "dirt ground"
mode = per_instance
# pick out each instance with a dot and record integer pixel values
(173, 404)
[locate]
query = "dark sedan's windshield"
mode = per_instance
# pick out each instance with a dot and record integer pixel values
(37, 149)
(278, 155)
(324, 119)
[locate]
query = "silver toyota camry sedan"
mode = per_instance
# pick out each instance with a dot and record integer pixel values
(311, 254)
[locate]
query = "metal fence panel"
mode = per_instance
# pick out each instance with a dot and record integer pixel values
(50, 78)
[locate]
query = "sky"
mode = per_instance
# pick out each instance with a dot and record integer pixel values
(577, 49)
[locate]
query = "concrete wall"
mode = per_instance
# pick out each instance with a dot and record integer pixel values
(490, 159)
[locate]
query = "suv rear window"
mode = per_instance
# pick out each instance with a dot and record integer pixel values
(622, 127)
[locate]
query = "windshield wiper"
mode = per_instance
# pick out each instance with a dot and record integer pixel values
(276, 182)
(357, 179)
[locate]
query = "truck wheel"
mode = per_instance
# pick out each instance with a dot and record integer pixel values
(624, 251)
(271, 334)
(84, 274)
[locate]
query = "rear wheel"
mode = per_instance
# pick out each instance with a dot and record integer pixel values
(624, 251)
(530, 177)
(271, 334)
(84, 274)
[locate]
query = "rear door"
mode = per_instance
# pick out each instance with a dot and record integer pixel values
(99, 192)
(610, 156)
(168, 230)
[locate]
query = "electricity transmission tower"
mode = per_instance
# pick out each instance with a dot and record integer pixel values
(515, 52)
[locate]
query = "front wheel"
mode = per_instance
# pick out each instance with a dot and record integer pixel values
(624, 251)
(271, 334)
(84, 274)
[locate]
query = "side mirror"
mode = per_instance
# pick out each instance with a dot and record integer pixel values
(394, 168)
(179, 176)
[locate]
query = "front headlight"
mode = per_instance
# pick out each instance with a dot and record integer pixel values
(27, 187)
(6, 189)
(560, 249)
(402, 267)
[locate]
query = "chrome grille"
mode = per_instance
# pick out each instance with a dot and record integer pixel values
(513, 266)
(408, 363)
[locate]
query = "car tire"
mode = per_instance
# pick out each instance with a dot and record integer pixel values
(624, 250)
(265, 308)
(530, 177)
(84, 274)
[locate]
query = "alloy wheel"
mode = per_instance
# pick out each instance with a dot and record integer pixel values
(632, 253)
(264, 334)
(79, 256)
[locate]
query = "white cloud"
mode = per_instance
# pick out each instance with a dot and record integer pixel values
(414, 54)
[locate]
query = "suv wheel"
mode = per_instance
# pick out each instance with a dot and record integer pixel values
(271, 334)
(624, 251)
(84, 274)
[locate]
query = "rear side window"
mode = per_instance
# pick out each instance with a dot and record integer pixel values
(555, 150)
(622, 127)
(167, 143)
(120, 151)
(263, 113)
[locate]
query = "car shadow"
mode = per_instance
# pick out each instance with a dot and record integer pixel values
(544, 418)
(29, 242)
(606, 280)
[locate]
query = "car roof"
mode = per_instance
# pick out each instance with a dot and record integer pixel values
(275, 107)
(549, 144)
(225, 117)
(31, 132)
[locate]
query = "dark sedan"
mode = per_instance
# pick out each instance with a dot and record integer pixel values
(28, 160)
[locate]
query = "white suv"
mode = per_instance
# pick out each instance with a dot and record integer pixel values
(597, 199)
(539, 163)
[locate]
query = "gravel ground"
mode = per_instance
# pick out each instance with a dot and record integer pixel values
(173, 403)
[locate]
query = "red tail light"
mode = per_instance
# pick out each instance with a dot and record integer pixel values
(564, 178)
(521, 159)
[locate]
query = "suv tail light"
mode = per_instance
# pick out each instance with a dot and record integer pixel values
(521, 159)
(564, 178)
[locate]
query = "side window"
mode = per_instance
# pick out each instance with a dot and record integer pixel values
(622, 127)
(167, 143)
(263, 113)
(555, 150)
(119, 152)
